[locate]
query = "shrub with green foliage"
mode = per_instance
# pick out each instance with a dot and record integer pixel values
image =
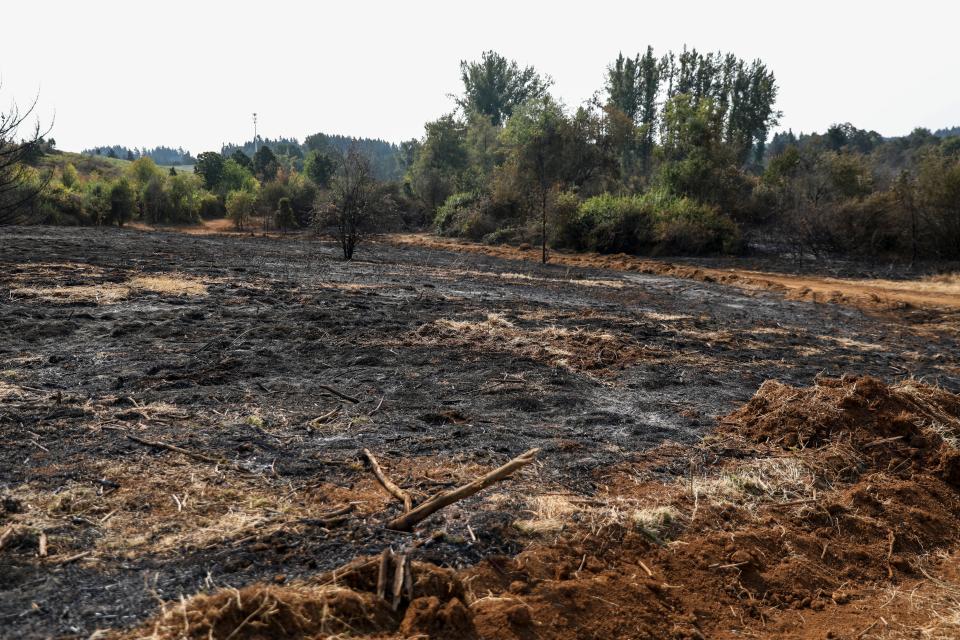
(122, 202)
(654, 222)
(612, 224)
(685, 226)
(240, 207)
(466, 215)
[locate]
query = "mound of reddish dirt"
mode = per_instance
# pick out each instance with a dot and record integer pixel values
(905, 429)
(742, 557)
(880, 464)
(342, 602)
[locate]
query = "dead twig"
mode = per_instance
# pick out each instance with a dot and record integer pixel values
(387, 483)
(5, 536)
(339, 394)
(385, 558)
(169, 447)
(73, 558)
(407, 521)
(316, 422)
(331, 518)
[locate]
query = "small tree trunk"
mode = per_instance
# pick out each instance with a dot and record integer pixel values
(543, 222)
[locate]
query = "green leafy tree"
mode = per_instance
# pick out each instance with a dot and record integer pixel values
(265, 164)
(122, 202)
(242, 159)
(623, 86)
(441, 159)
(154, 202)
(319, 166)
(142, 170)
(183, 196)
(96, 201)
(535, 137)
(210, 166)
(495, 86)
(240, 207)
(234, 177)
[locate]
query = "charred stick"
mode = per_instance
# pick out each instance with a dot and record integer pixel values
(339, 394)
(387, 483)
(174, 448)
(409, 520)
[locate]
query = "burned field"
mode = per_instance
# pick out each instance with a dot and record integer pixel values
(182, 420)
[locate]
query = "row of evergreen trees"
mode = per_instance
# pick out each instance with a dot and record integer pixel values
(160, 155)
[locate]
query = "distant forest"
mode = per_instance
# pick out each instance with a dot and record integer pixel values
(677, 153)
(384, 156)
(160, 155)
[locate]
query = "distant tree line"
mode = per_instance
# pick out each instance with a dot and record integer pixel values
(852, 192)
(384, 157)
(672, 155)
(160, 155)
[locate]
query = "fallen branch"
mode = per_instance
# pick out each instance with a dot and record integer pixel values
(409, 520)
(331, 518)
(316, 422)
(6, 536)
(175, 449)
(72, 558)
(339, 394)
(387, 483)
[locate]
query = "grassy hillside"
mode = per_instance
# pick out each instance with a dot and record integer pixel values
(108, 168)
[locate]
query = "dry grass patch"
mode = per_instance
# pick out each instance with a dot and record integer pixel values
(151, 506)
(113, 292)
(575, 349)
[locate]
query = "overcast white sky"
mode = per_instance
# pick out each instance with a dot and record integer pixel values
(190, 73)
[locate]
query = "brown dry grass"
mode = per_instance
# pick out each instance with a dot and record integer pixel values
(576, 349)
(175, 284)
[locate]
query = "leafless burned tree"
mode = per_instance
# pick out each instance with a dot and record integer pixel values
(18, 185)
(357, 204)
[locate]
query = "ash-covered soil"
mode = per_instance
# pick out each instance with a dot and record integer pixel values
(273, 364)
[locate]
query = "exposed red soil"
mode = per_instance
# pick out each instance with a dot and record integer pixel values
(884, 499)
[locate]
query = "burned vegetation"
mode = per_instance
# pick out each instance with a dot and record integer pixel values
(226, 437)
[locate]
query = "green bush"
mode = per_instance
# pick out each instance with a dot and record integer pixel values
(686, 226)
(656, 222)
(456, 203)
(616, 224)
(209, 206)
(465, 215)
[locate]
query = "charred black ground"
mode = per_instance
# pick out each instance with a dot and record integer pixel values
(459, 358)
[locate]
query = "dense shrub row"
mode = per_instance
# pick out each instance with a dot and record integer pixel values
(656, 222)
